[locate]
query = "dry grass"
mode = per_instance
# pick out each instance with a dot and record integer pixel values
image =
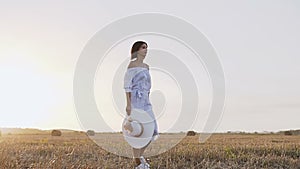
(76, 150)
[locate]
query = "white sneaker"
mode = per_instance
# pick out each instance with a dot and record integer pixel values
(143, 161)
(141, 166)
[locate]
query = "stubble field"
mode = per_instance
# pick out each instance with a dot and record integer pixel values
(76, 150)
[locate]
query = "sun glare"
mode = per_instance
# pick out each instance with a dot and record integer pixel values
(27, 94)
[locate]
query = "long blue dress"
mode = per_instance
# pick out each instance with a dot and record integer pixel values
(137, 81)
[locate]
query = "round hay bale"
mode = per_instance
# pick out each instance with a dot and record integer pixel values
(56, 133)
(191, 133)
(90, 132)
(288, 133)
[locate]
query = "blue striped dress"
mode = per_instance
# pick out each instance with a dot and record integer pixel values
(137, 81)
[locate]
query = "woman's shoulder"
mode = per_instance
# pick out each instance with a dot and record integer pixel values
(147, 66)
(132, 64)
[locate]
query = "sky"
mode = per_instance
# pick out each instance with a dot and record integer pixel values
(257, 44)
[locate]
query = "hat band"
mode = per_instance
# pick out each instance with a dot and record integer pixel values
(135, 132)
(142, 130)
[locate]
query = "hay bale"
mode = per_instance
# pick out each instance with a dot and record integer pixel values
(191, 133)
(288, 133)
(90, 132)
(56, 133)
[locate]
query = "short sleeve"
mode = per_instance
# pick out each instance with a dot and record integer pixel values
(128, 81)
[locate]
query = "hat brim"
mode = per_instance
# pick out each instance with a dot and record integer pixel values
(148, 123)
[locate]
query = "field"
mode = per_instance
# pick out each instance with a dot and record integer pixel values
(76, 150)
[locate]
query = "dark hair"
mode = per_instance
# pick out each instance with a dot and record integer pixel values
(135, 47)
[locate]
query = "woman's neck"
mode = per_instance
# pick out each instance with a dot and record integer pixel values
(140, 61)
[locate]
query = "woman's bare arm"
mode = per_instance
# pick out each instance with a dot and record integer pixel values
(128, 94)
(128, 107)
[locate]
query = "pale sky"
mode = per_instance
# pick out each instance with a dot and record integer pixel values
(257, 43)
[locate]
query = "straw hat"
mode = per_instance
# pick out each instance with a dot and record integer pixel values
(138, 128)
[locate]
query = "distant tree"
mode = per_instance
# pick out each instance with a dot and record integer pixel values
(191, 133)
(56, 133)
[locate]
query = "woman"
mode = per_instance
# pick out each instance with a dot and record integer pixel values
(137, 84)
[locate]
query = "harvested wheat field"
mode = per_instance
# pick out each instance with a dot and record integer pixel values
(76, 150)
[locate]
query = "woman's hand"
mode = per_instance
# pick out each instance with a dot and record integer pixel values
(127, 126)
(128, 109)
